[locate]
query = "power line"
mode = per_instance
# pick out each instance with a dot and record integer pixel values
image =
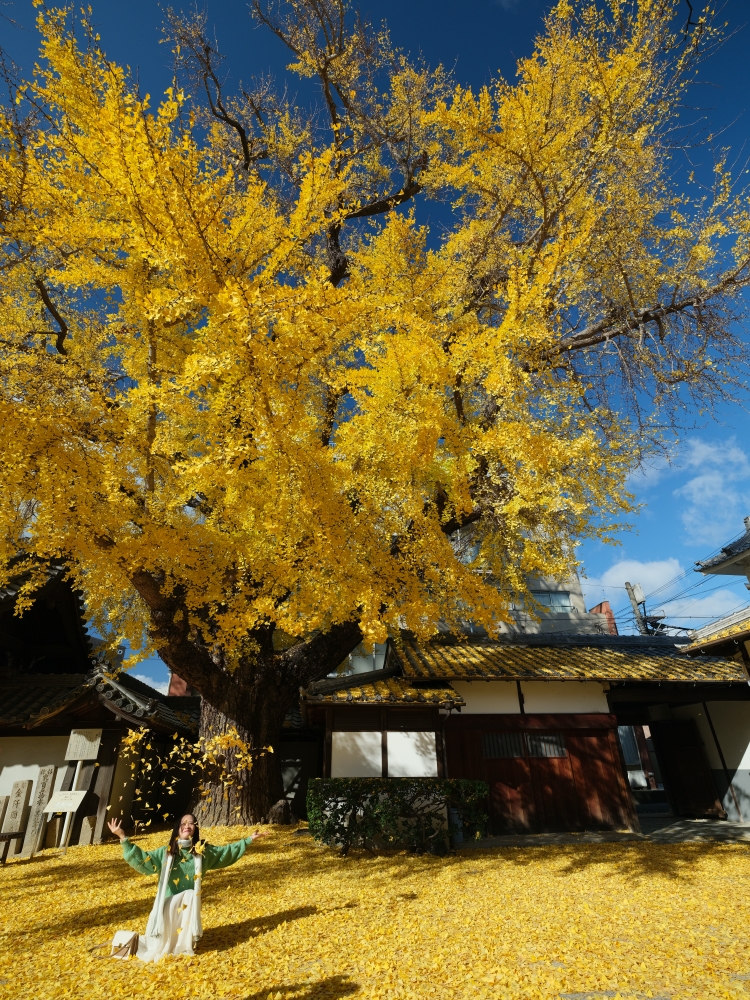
(687, 572)
(625, 612)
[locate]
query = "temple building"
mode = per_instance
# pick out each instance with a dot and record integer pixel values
(54, 681)
(565, 729)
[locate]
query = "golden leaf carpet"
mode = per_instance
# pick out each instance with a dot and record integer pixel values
(293, 921)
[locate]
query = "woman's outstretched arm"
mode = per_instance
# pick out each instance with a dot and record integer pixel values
(147, 863)
(223, 857)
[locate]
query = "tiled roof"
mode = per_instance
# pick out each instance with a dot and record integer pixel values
(31, 700)
(31, 696)
(727, 628)
(392, 689)
(9, 593)
(729, 552)
(475, 659)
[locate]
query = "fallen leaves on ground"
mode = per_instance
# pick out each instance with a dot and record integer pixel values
(293, 921)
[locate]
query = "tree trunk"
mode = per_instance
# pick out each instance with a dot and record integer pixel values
(248, 799)
(252, 697)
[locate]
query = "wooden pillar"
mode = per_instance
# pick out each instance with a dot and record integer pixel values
(383, 742)
(67, 782)
(105, 774)
(328, 750)
(626, 796)
(84, 784)
(440, 748)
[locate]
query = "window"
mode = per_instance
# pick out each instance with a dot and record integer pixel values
(412, 755)
(629, 746)
(502, 745)
(546, 745)
(553, 599)
(357, 755)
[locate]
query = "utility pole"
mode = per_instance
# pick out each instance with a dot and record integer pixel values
(635, 593)
(646, 624)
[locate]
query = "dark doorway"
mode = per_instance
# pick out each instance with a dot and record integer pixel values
(685, 770)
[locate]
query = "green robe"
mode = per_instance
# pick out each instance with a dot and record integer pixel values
(182, 875)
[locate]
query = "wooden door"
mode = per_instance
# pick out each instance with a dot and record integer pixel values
(598, 782)
(511, 795)
(554, 794)
(685, 770)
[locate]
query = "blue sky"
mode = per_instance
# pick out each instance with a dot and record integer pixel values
(692, 505)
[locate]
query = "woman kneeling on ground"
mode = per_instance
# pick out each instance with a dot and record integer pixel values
(174, 925)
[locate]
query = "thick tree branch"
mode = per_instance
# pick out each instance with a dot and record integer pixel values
(63, 332)
(312, 658)
(607, 329)
(386, 204)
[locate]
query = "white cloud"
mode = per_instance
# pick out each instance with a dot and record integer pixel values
(650, 575)
(728, 455)
(610, 586)
(719, 496)
(162, 686)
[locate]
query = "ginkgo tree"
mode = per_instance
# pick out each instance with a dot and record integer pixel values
(264, 413)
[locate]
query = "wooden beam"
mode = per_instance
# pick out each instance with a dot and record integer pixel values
(104, 777)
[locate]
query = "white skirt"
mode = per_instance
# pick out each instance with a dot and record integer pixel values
(177, 938)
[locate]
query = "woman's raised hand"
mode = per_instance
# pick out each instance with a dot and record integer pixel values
(116, 827)
(254, 836)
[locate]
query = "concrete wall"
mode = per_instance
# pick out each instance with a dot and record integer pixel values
(21, 757)
(501, 697)
(731, 722)
(571, 586)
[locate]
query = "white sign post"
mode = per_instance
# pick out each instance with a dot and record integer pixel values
(82, 745)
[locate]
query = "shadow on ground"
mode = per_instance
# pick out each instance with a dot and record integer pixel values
(631, 860)
(229, 935)
(335, 986)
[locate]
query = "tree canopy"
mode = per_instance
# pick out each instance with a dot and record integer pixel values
(246, 388)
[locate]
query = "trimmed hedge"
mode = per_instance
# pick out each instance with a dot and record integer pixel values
(394, 812)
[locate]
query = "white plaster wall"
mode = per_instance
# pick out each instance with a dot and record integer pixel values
(412, 755)
(356, 755)
(563, 696)
(21, 757)
(731, 721)
(488, 697)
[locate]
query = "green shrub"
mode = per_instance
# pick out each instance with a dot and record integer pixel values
(394, 812)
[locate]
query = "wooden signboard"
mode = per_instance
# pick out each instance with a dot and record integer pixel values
(15, 815)
(83, 744)
(35, 827)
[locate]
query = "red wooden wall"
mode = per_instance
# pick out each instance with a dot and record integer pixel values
(545, 772)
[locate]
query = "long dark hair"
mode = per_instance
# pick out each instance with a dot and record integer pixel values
(175, 836)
